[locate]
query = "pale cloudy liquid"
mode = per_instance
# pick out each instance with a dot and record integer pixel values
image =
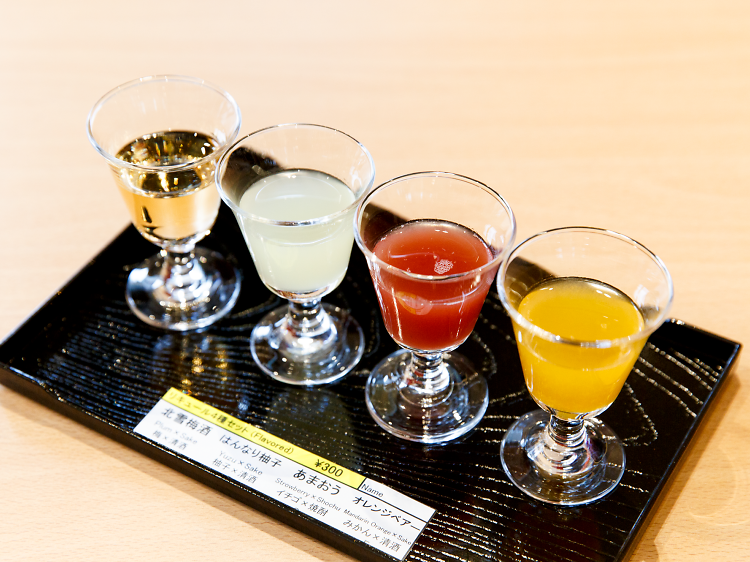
(301, 259)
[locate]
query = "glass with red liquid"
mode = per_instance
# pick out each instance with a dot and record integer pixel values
(433, 242)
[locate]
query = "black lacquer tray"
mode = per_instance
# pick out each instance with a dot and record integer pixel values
(85, 355)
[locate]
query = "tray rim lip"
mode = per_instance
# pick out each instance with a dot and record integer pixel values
(33, 388)
(739, 346)
(679, 457)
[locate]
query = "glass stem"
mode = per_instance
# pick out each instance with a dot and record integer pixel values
(426, 381)
(308, 319)
(563, 449)
(308, 327)
(183, 276)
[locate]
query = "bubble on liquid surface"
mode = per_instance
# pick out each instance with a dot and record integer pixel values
(443, 266)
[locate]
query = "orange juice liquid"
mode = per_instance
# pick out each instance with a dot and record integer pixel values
(569, 378)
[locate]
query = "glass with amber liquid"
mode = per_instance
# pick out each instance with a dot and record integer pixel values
(582, 302)
(162, 137)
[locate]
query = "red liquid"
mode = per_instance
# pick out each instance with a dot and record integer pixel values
(431, 315)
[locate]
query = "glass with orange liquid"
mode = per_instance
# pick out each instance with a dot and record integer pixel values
(433, 243)
(583, 302)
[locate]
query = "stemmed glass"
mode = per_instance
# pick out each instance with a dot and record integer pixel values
(162, 137)
(433, 242)
(293, 189)
(582, 302)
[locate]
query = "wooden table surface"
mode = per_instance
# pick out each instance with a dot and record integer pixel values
(634, 116)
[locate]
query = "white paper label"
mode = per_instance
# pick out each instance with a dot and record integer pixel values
(364, 509)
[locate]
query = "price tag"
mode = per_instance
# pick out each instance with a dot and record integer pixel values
(364, 509)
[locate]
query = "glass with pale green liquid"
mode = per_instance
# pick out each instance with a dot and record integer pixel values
(293, 190)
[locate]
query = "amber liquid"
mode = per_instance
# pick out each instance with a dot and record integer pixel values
(169, 204)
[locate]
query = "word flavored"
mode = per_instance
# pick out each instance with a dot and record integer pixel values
(363, 509)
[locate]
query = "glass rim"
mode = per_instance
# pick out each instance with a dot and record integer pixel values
(418, 276)
(112, 159)
(306, 222)
(517, 317)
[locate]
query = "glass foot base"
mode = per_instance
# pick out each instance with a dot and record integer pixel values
(607, 466)
(452, 414)
(214, 288)
(321, 359)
